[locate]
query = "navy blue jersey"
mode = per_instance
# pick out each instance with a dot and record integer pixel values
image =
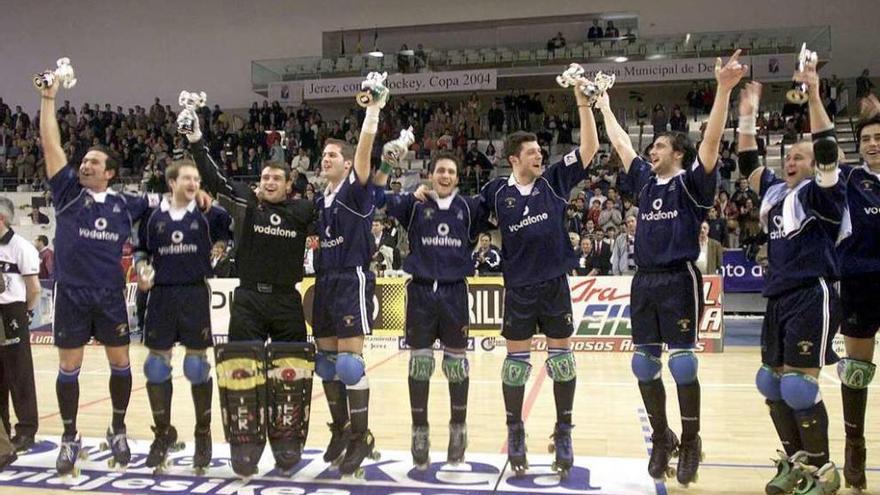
(807, 252)
(860, 252)
(441, 234)
(92, 228)
(670, 212)
(179, 242)
(535, 244)
(344, 225)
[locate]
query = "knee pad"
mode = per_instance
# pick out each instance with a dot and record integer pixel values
(561, 367)
(196, 368)
(421, 364)
(325, 365)
(799, 391)
(854, 373)
(455, 368)
(646, 365)
(515, 372)
(768, 383)
(350, 368)
(683, 365)
(157, 368)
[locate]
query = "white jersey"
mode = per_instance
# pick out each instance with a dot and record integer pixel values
(18, 258)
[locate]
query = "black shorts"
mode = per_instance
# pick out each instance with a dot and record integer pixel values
(436, 311)
(860, 296)
(260, 316)
(666, 307)
(343, 304)
(82, 313)
(178, 313)
(799, 326)
(544, 307)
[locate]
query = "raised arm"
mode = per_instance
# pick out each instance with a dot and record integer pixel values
(727, 76)
(824, 137)
(378, 97)
(50, 137)
(616, 134)
(747, 145)
(213, 179)
(589, 135)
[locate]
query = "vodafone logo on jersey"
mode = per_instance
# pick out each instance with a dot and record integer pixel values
(177, 237)
(101, 223)
(777, 233)
(658, 214)
(275, 219)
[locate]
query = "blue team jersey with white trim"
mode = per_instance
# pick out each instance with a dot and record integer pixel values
(670, 212)
(807, 254)
(91, 231)
(179, 242)
(344, 226)
(535, 245)
(441, 235)
(859, 253)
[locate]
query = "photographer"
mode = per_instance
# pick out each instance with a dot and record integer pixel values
(487, 257)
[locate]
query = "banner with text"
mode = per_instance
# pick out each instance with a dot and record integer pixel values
(287, 92)
(740, 273)
(764, 68)
(600, 312)
(405, 84)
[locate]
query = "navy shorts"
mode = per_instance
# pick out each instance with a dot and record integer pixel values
(82, 313)
(799, 326)
(544, 307)
(343, 304)
(178, 313)
(666, 307)
(860, 297)
(436, 311)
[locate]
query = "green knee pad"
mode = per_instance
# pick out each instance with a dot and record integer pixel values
(421, 364)
(561, 367)
(515, 373)
(455, 369)
(854, 373)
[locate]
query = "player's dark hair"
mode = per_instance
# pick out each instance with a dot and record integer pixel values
(680, 142)
(43, 240)
(444, 155)
(173, 170)
(861, 124)
(112, 162)
(513, 142)
(279, 166)
(346, 149)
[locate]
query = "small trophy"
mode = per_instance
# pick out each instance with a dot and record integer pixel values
(394, 150)
(190, 103)
(63, 73)
(574, 76)
(798, 92)
(372, 88)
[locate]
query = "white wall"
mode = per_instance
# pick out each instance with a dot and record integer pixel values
(128, 51)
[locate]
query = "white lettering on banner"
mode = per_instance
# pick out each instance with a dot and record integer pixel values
(405, 84)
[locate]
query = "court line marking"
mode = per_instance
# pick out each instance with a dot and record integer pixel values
(659, 487)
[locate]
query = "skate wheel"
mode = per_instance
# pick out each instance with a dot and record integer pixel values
(670, 472)
(551, 448)
(103, 446)
(563, 474)
(519, 473)
(200, 471)
(359, 473)
(82, 454)
(553, 466)
(75, 472)
(374, 455)
(422, 467)
(111, 463)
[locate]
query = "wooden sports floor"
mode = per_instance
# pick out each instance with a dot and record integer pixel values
(738, 438)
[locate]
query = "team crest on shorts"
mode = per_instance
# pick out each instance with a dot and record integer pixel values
(464, 330)
(806, 347)
(568, 318)
(348, 320)
(684, 324)
(122, 329)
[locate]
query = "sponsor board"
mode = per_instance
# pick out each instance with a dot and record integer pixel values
(600, 311)
(404, 84)
(393, 474)
(838, 346)
(740, 273)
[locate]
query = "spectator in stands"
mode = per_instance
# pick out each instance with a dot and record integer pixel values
(609, 216)
(623, 259)
(587, 261)
(496, 121)
(659, 119)
(487, 257)
(611, 31)
(601, 252)
(386, 256)
(678, 120)
(556, 43)
(301, 160)
(594, 210)
(574, 218)
(421, 58)
(629, 209)
(404, 57)
(595, 31)
(743, 192)
(221, 263)
(749, 219)
(575, 240)
(717, 227)
(47, 257)
(38, 217)
(709, 261)
(863, 84)
(299, 182)
(694, 100)
(728, 165)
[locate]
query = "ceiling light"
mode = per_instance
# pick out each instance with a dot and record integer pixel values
(620, 60)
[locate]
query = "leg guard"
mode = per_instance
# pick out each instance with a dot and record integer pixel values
(455, 368)
(799, 391)
(683, 365)
(241, 381)
(561, 367)
(157, 368)
(350, 368)
(514, 374)
(645, 364)
(768, 383)
(325, 365)
(855, 374)
(196, 368)
(289, 369)
(421, 364)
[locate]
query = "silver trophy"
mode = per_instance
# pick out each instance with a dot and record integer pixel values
(372, 88)
(190, 102)
(393, 151)
(64, 73)
(574, 76)
(798, 92)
